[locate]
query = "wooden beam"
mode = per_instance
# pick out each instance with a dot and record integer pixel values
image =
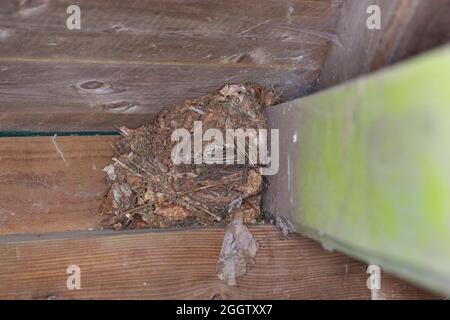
(408, 27)
(272, 33)
(364, 168)
(97, 96)
(50, 184)
(428, 28)
(55, 184)
(177, 265)
(129, 60)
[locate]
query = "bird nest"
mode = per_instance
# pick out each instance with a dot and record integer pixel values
(148, 189)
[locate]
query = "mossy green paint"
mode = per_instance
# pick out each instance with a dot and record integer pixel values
(374, 168)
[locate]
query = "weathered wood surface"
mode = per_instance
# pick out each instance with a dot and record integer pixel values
(266, 33)
(408, 27)
(56, 184)
(51, 184)
(178, 265)
(427, 28)
(150, 54)
(364, 168)
(61, 96)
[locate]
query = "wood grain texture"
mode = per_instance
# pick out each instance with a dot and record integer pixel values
(428, 28)
(51, 184)
(176, 265)
(68, 96)
(290, 34)
(42, 192)
(150, 54)
(408, 27)
(392, 288)
(360, 45)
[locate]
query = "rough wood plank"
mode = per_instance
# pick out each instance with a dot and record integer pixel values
(428, 28)
(40, 193)
(360, 45)
(289, 34)
(393, 288)
(150, 54)
(68, 96)
(367, 171)
(175, 265)
(51, 184)
(408, 27)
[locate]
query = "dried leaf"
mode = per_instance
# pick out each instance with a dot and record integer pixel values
(238, 252)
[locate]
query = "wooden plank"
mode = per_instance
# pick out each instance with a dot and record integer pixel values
(359, 43)
(394, 288)
(41, 192)
(408, 27)
(175, 265)
(287, 34)
(72, 96)
(139, 57)
(50, 184)
(366, 166)
(427, 29)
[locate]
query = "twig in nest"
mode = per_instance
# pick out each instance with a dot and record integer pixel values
(192, 191)
(126, 167)
(115, 149)
(149, 204)
(204, 209)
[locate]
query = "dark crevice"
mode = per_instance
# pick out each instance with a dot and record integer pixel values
(4, 134)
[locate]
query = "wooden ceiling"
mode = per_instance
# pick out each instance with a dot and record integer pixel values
(132, 58)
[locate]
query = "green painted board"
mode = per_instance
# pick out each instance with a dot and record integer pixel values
(369, 168)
